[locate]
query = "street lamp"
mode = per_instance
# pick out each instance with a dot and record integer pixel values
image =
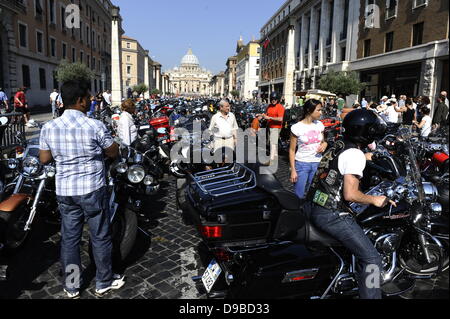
(115, 12)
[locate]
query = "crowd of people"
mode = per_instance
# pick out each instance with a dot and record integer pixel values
(415, 112)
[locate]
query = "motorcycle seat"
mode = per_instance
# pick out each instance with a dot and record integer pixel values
(315, 235)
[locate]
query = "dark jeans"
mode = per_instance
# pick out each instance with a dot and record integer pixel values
(75, 210)
(350, 234)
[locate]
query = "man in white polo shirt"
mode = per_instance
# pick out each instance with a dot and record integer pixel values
(224, 127)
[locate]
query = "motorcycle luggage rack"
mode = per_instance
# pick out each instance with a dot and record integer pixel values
(228, 180)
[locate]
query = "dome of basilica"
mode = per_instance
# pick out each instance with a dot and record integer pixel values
(190, 59)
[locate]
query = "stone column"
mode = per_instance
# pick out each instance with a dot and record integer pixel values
(324, 26)
(158, 78)
(290, 64)
(303, 43)
(116, 58)
(428, 84)
(147, 75)
(337, 26)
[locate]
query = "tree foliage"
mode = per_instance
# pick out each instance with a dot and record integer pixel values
(140, 88)
(155, 92)
(66, 72)
(235, 93)
(345, 83)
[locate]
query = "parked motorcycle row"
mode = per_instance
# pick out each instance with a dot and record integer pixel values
(255, 234)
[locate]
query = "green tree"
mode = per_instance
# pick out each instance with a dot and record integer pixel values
(73, 72)
(235, 93)
(345, 83)
(140, 88)
(155, 92)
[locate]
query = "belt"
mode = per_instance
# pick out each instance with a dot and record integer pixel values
(223, 138)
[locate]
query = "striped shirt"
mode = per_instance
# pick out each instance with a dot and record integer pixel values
(77, 143)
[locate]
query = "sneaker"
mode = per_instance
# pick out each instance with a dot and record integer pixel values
(72, 295)
(118, 282)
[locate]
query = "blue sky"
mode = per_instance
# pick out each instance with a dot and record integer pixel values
(211, 27)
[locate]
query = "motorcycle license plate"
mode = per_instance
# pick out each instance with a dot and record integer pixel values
(211, 275)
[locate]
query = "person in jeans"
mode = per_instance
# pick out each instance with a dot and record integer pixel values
(308, 136)
(78, 145)
(274, 117)
(336, 186)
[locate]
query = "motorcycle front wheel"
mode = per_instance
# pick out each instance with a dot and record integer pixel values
(13, 235)
(413, 260)
(123, 233)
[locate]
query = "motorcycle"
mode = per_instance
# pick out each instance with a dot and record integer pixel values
(31, 193)
(258, 235)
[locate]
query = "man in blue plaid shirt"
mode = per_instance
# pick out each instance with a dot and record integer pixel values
(78, 144)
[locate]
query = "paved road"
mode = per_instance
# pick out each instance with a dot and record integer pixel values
(160, 266)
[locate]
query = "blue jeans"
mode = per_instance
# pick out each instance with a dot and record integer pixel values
(75, 210)
(346, 230)
(306, 173)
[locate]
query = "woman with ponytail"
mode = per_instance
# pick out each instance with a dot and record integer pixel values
(308, 136)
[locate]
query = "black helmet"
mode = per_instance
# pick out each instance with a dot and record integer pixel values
(363, 127)
(274, 96)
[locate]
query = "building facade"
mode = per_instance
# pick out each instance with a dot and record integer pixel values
(134, 61)
(403, 47)
(189, 78)
(217, 85)
(303, 40)
(35, 37)
(230, 76)
(397, 47)
(247, 70)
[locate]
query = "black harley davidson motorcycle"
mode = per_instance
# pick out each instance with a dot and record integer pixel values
(259, 242)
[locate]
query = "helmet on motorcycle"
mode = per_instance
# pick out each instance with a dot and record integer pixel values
(274, 96)
(363, 127)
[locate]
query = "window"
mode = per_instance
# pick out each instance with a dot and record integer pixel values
(74, 55)
(88, 60)
(42, 79)
(419, 3)
(63, 18)
(23, 35)
(81, 31)
(53, 47)
(128, 58)
(88, 33)
(417, 34)
(257, 71)
(39, 39)
(38, 9)
(128, 45)
(389, 45)
(391, 9)
(81, 56)
(366, 48)
(64, 51)
(343, 53)
(52, 8)
(93, 63)
(128, 69)
(26, 76)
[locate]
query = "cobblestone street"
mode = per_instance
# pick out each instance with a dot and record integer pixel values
(161, 264)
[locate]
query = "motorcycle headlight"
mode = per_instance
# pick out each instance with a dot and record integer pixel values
(436, 210)
(121, 168)
(50, 171)
(31, 165)
(136, 174)
(149, 180)
(12, 163)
